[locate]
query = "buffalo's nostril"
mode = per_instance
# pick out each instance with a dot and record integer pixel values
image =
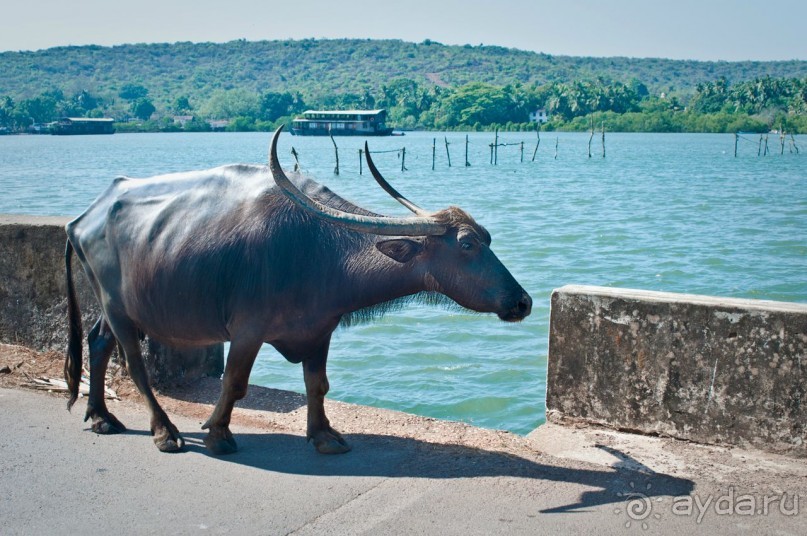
(519, 310)
(525, 305)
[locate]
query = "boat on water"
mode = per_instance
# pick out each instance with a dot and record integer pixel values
(341, 123)
(83, 125)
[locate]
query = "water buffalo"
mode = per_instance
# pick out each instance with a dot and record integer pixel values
(228, 254)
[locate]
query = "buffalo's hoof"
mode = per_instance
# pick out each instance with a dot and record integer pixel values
(329, 442)
(168, 439)
(105, 423)
(220, 441)
(174, 444)
(170, 445)
(108, 426)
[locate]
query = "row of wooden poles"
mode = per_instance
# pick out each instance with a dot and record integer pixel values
(762, 148)
(494, 151)
(763, 139)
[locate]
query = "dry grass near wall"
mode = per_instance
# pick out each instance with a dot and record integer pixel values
(22, 367)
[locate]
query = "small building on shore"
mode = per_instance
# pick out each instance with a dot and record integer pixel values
(83, 125)
(539, 116)
(218, 125)
(182, 120)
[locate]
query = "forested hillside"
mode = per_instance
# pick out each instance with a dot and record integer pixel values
(424, 84)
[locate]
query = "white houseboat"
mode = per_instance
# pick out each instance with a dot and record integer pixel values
(341, 123)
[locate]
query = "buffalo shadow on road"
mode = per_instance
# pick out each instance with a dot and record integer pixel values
(379, 455)
(376, 455)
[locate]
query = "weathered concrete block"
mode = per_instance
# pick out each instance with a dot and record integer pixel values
(724, 371)
(32, 285)
(33, 299)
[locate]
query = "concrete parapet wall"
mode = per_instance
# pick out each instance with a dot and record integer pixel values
(32, 285)
(722, 371)
(33, 299)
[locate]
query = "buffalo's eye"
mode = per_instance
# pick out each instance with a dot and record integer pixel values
(468, 241)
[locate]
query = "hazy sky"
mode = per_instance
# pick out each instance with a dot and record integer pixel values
(680, 29)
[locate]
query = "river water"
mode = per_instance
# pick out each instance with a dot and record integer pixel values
(670, 212)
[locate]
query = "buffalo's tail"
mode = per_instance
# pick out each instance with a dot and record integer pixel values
(72, 363)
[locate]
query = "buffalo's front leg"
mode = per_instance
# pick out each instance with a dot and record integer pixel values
(326, 439)
(240, 359)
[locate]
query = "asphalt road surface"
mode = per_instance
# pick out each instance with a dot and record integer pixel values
(58, 477)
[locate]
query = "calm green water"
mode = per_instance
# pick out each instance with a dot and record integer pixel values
(662, 212)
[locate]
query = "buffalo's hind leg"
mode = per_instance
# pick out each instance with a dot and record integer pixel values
(101, 343)
(326, 439)
(166, 435)
(219, 439)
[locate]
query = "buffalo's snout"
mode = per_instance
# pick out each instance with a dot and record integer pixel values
(520, 310)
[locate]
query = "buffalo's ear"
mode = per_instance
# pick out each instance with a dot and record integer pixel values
(400, 249)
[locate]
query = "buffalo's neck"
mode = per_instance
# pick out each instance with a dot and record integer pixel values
(373, 278)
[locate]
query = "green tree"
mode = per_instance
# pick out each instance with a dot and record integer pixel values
(231, 104)
(7, 112)
(197, 125)
(405, 100)
(342, 101)
(132, 92)
(78, 106)
(711, 97)
(480, 103)
(182, 105)
(638, 88)
(85, 101)
(274, 105)
(41, 109)
(241, 124)
(143, 108)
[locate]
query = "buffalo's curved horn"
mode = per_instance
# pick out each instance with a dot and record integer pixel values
(421, 226)
(388, 187)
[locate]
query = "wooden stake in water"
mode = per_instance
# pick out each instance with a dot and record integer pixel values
(448, 155)
(736, 139)
(538, 143)
(403, 159)
(336, 152)
(496, 149)
(556, 147)
(591, 137)
(361, 153)
(603, 139)
(434, 151)
(467, 164)
(522, 152)
(296, 161)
